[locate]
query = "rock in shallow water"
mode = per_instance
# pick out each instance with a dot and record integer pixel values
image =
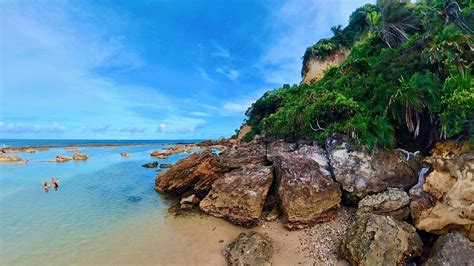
(79, 157)
(240, 195)
(151, 165)
(62, 158)
(188, 202)
(361, 174)
(249, 249)
(380, 240)
(392, 202)
(307, 192)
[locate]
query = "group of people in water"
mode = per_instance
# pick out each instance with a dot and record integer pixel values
(54, 183)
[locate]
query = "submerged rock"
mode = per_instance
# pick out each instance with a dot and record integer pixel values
(380, 240)
(307, 192)
(151, 165)
(392, 202)
(451, 185)
(451, 249)
(124, 154)
(240, 195)
(249, 249)
(188, 202)
(62, 158)
(196, 172)
(80, 157)
(361, 173)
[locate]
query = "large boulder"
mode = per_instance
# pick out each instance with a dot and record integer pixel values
(361, 173)
(240, 195)
(248, 153)
(249, 249)
(451, 249)
(307, 192)
(279, 147)
(393, 202)
(196, 173)
(451, 185)
(380, 240)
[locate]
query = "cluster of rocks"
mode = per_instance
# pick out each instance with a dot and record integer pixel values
(11, 159)
(76, 157)
(167, 152)
(303, 184)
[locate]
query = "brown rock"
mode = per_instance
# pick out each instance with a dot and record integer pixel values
(196, 172)
(392, 202)
(159, 155)
(361, 173)
(307, 192)
(380, 240)
(62, 158)
(11, 159)
(188, 202)
(249, 153)
(80, 157)
(124, 154)
(249, 249)
(240, 195)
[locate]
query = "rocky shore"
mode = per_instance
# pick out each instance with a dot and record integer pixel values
(398, 205)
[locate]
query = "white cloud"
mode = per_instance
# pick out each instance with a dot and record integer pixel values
(27, 128)
(237, 107)
(221, 52)
(231, 74)
(204, 74)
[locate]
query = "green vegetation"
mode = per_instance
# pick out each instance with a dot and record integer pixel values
(408, 79)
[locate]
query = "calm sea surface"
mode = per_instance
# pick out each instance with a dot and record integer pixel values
(98, 200)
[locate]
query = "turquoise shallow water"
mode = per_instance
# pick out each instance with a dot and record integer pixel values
(94, 198)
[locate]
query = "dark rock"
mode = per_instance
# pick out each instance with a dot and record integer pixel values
(151, 165)
(240, 195)
(451, 249)
(380, 240)
(249, 249)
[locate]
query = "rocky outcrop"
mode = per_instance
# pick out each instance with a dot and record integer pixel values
(195, 173)
(361, 173)
(307, 192)
(11, 159)
(451, 249)
(393, 202)
(79, 157)
(243, 131)
(380, 240)
(62, 158)
(249, 153)
(151, 165)
(451, 186)
(124, 154)
(165, 165)
(314, 68)
(188, 202)
(159, 155)
(249, 249)
(240, 195)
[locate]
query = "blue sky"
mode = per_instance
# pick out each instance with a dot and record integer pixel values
(171, 69)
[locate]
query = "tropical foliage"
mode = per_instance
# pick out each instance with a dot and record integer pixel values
(408, 79)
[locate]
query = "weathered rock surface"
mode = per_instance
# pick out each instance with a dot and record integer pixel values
(11, 159)
(451, 185)
(249, 249)
(392, 202)
(380, 240)
(279, 147)
(62, 158)
(188, 202)
(452, 249)
(151, 165)
(307, 192)
(360, 173)
(79, 157)
(124, 154)
(196, 172)
(249, 153)
(240, 195)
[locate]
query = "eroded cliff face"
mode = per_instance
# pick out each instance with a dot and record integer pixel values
(313, 69)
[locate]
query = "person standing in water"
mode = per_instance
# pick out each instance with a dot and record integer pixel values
(46, 187)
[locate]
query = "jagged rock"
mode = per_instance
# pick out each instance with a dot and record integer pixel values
(451, 184)
(196, 172)
(249, 249)
(393, 202)
(188, 202)
(79, 157)
(166, 165)
(240, 195)
(124, 154)
(361, 173)
(451, 249)
(307, 192)
(250, 153)
(11, 159)
(62, 158)
(380, 240)
(151, 165)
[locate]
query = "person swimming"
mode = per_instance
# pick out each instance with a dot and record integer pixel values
(55, 185)
(45, 186)
(52, 181)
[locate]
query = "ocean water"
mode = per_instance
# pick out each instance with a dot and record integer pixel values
(98, 200)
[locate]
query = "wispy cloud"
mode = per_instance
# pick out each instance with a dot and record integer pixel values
(237, 106)
(109, 129)
(221, 52)
(204, 74)
(231, 74)
(27, 128)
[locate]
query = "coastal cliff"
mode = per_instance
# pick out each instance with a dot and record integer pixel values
(314, 68)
